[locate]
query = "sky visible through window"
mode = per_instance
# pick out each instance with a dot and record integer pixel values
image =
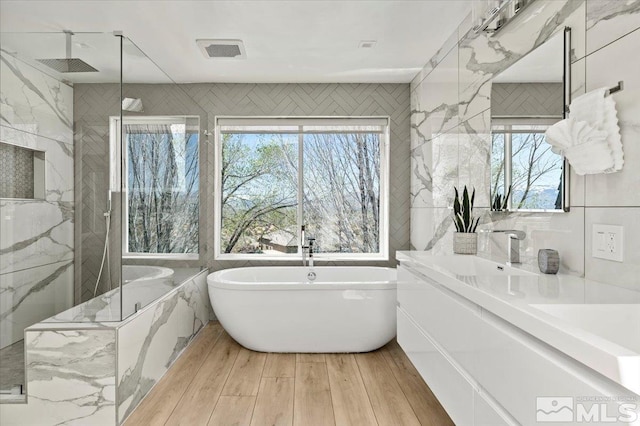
(536, 174)
(339, 196)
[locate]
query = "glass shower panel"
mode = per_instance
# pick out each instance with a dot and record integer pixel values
(159, 169)
(45, 139)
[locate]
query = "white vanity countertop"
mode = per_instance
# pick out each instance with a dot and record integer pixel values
(595, 323)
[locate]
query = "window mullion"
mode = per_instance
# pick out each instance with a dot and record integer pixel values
(300, 187)
(508, 166)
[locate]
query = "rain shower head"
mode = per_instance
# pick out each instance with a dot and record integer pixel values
(68, 64)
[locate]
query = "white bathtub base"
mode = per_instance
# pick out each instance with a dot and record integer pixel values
(323, 317)
(307, 324)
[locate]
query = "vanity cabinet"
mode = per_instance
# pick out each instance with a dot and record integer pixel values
(483, 369)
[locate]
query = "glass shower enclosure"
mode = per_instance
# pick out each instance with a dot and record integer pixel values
(76, 184)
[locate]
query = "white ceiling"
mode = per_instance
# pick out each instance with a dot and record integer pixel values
(285, 41)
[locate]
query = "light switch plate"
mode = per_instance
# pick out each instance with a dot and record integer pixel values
(607, 242)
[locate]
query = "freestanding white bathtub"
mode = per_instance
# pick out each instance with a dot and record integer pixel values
(280, 309)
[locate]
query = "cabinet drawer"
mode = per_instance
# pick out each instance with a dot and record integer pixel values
(516, 369)
(451, 388)
(484, 414)
(449, 319)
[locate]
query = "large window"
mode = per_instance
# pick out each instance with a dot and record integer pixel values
(277, 175)
(524, 166)
(160, 156)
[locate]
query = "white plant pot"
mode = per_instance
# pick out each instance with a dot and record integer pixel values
(465, 242)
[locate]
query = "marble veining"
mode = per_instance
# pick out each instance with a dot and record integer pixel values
(474, 158)
(35, 233)
(608, 20)
(58, 161)
(454, 149)
(156, 337)
(36, 236)
(92, 373)
(33, 99)
(108, 307)
(482, 57)
(70, 376)
(31, 295)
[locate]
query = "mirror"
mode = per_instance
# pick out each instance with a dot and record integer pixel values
(527, 98)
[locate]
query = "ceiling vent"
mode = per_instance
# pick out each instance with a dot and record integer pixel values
(222, 49)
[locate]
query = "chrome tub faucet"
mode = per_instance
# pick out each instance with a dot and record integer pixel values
(307, 253)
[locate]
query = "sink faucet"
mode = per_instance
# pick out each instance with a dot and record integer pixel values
(308, 250)
(513, 243)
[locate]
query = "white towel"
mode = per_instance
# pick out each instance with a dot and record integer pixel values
(590, 107)
(599, 110)
(610, 125)
(559, 136)
(585, 147)
(590, 157)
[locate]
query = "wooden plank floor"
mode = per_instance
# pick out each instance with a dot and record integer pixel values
(217, 382)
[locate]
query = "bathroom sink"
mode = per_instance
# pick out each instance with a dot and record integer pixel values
(617, 323)
(462, 265)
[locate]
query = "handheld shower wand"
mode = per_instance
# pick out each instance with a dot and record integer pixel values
(105, 251)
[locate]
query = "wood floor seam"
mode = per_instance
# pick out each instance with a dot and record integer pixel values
(367, 390)
(386, 358)
(235, 386)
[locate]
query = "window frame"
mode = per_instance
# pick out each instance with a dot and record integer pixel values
(118, 181)
(505, 127)
(381, 255)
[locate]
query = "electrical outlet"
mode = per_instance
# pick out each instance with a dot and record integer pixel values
(607, 242)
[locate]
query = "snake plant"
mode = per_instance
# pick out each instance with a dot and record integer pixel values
(499, 202)
(463, 216)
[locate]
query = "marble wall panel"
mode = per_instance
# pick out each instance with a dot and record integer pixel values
(36, 236)
(34, 233)
(604, 33)
(605, 68)
(32, 295)
(432, 230)
(71, 379)
(58, 161)
(483, 56)
(608, 20)
(436, 108)
(474, 158)
(154, 339)
(34, 102)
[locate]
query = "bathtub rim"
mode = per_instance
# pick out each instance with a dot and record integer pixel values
(164, 272)
(112, 323)
(216, 280)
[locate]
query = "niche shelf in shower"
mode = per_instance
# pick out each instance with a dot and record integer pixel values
(21, 172)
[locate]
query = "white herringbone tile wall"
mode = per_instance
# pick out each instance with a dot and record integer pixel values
(94, 103)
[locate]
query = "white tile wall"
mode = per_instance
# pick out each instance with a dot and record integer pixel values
(605, 68)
